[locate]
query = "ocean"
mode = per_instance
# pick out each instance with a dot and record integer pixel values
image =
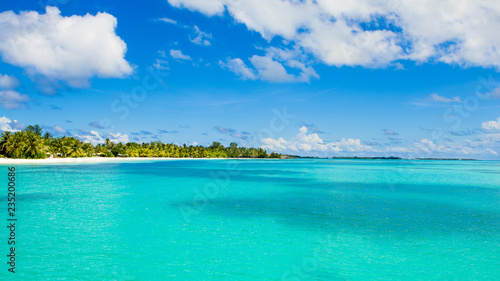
(303, 219)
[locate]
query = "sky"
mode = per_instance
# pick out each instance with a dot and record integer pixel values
(310, 78)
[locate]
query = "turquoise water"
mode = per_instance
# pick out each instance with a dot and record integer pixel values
(257, 220)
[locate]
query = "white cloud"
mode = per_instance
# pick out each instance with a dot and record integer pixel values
(167, 20)
(10, 99)
(306, 73)
(495, 94)
(333, 31)
(7, 124)
(8, 82)
(72, 49)
(161, 64)
(268, 69)
(92, 137)
(491, 125)
(209, 8)
(59, 129)
(437, 98)
(239, 68)
(306, 143)
(201, 37)
(118, 137)
(484, 145)
(425, 145)
(178, 55)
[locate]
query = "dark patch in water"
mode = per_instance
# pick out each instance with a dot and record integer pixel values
(338, 212)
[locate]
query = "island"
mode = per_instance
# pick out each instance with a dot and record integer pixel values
(31, 143)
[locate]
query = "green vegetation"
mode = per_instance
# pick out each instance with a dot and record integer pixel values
(30, 144)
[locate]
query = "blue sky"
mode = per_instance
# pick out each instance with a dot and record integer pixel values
(309, 78)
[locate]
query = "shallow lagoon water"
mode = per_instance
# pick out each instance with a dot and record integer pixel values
(306, 219)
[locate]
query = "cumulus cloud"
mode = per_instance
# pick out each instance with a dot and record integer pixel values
(306, 143)
(372, 33)
(312, 128)
(7, 124)
(92, 137)
(484, 145)
(491, 125)
(238, 67)
(95, 138)
(118, 137)
(8, 82)
(10, 99)
(72, 49)
(270, 70)
(58, 129)
(178, 55)
(445, 147)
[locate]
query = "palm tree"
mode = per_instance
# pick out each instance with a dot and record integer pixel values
(75, 148)
(15, 146)
(4, 141)
(58, 146)
(87, 148)
(33, 145)
(35, 129)
(109, 144)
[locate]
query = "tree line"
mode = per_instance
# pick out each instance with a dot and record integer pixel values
(31, 143)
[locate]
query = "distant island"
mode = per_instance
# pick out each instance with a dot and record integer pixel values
(31, 144)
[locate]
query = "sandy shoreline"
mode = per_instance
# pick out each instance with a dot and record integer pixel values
(98, 160)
